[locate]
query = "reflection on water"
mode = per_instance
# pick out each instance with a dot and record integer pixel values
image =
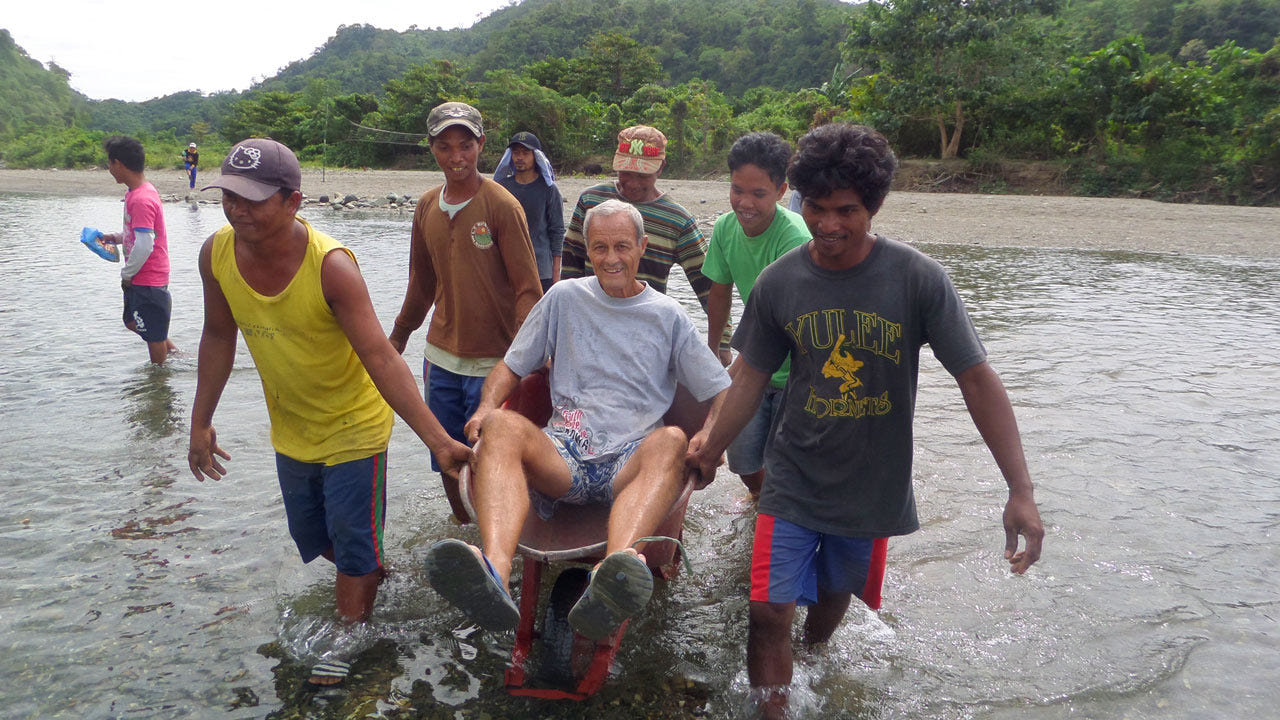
(153, 404)
(1145, 386)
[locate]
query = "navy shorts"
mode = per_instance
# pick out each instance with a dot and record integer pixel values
(591, 481)
(789, 563)
(339, 507)
(148, 308)
(746, 452)
(453, 399)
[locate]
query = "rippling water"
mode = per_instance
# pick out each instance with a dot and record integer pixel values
(1146, 386)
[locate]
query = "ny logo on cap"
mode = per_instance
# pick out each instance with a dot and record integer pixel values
(245, 158)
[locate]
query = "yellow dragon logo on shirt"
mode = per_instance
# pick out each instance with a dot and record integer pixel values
(841, 366)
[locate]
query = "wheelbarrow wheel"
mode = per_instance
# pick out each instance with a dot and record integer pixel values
(557, 636)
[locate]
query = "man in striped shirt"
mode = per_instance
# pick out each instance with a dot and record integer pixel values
(673, 232)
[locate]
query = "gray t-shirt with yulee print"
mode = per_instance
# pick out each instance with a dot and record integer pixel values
(615, 362)
(840, 457)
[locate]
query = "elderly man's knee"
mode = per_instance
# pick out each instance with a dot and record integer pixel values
(672, 437)
(502, 419)
(503, 429)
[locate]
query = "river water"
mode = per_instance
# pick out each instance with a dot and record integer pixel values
(1146, 386)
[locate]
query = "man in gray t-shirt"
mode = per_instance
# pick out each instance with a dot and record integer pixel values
(851, 309)
(618, 349)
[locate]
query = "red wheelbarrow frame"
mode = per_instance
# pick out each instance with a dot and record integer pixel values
(577, 534)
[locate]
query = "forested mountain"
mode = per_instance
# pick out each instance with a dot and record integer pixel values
(183, 113)
(1175, 99)
(362, 58)
(1169, 26)
(30, 94)
(736, 44)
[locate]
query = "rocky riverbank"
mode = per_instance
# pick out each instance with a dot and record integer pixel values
(995, 220)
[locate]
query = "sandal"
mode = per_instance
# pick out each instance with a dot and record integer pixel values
(329, 673)
(618, 588)
(470, 582)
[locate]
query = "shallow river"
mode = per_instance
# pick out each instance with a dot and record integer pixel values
(1147, 387)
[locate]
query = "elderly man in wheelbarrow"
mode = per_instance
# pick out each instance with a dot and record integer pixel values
(618, 349)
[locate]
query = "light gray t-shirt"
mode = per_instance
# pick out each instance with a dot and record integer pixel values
(615, 362)
(840, 457)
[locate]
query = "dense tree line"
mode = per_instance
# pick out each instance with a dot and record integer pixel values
(994, 79)
(737, 44)
(1160, 98)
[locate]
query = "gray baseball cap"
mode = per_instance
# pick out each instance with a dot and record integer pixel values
(257, 168)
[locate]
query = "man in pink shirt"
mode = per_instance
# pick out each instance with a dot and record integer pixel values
(145, 275)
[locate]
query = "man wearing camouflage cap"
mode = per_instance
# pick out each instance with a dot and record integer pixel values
(471, 259)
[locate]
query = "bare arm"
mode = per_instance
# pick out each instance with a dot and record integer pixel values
(730, 412)
(691, 253)
(216, 356)
(345, 291)
(502, 381)
(992, 413)
(719, 300)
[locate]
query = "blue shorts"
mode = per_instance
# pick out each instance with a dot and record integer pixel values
(789, 563)
(591, 481)
(746, 452)
(453, 399)
(148, 308)
(336, 507)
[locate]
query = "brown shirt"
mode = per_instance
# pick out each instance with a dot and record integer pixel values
(477, 269)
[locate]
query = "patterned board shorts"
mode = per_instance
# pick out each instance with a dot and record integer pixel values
(592, 480)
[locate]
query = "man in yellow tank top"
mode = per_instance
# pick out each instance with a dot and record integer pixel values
(330, 376)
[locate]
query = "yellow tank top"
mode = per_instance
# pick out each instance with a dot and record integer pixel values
(324, 407)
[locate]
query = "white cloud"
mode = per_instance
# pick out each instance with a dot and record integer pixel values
(148, 48)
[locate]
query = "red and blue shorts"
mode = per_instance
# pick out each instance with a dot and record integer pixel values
(336, 508)
(789, 563)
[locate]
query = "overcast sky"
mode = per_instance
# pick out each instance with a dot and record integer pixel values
(143, 49)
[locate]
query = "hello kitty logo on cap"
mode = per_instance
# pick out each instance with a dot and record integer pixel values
(244, 157)
(257, 168)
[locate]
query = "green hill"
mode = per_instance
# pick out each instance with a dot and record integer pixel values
(362, 58)
(32, 95)
(1174, 99)
(1169, 26)
(737, 44)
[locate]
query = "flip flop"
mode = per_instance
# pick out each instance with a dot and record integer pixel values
(619, 588)
(471, 584)
(329, 673)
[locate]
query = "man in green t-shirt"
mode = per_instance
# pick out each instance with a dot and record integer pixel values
(743, 242)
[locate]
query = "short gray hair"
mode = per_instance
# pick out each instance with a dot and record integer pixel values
(612, 207)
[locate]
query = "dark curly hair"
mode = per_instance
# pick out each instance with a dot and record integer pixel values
(840, 156)
(766, 151)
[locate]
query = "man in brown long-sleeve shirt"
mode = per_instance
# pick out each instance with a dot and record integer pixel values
(472, 259)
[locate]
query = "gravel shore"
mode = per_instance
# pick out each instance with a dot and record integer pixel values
(995, 220)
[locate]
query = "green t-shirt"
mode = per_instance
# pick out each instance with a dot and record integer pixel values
(733, 258)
